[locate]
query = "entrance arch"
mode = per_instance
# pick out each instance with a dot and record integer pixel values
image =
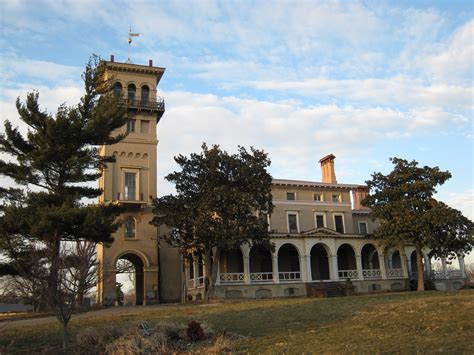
(346, 262)
(319, 263)
(261, 268)
(138, 269)
(370, 257)
(288, 262)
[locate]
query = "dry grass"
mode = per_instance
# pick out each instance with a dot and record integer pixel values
(404, 322)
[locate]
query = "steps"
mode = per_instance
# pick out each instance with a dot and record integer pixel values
(326, 289)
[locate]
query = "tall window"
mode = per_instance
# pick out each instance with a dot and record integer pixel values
(132, 89)
(292, 223)
(363, 227)
(130, 186)
(117, 89)
(320, 220)
(131, 126)
(145, 94)
(336, 198)
(318, 197)
(130, 227)
(339, 223)
(290, 196)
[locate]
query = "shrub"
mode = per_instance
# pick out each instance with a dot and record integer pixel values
(194, 331)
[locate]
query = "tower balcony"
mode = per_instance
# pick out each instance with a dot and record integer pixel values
(153, 106)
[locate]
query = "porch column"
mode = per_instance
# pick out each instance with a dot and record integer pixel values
(428, 265)
(246, 269)
(276, 279)
(218, 279)
(408, 261)
(444, 267)
(403, 262)
(462, 267)
(334, 271)
(309, 276)
(359, 266)
(383, 273)
(196, 272)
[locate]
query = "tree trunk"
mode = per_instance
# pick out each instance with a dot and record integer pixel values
(419, 266)
(65, 337)
(211, 264)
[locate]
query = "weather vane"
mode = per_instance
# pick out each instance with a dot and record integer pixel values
(130, 35)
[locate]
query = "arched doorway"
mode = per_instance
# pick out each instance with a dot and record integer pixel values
(288, 263)
(131, 265)
(261, 269)
(319, 263)
(231, 266)
(346, 262)
(370, 262)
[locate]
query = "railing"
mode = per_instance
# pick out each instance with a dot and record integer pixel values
(449, 274)
(370, 274)
(190, 283)
(348, 274)
(289, 276)
(130, 198)
(394, 273)
(158, 105)
(232, 277)
(454, 274)
(261, 277)
(414, 275)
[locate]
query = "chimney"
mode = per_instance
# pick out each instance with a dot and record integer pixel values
(327, 169)
(112, 58)
(150, 62)
(358, 195)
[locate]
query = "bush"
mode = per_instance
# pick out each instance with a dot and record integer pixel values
(194, 331)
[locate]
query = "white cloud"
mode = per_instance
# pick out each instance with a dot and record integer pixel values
(463, 201)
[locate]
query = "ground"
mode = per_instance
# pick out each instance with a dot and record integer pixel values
(393, 322)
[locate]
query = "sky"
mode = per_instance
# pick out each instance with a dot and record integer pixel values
(363, 80)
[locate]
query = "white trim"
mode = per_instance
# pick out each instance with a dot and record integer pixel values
(297, 221)
(321, 196)
(343, 221)
(137, 182)
(315, 214)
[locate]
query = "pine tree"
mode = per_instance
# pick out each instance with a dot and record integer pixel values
(51, 165)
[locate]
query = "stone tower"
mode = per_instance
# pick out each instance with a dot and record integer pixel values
(131, 183)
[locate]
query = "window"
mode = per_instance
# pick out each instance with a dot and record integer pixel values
(131, 126)
(130, 227)
(145, 94)
(292, 223)
(117, 89)
(131, 92)
(290, 196)
(318, 197)
(339, 223)
(145, 127)
(336, 198)
(320, 220)
(130, 186)
(362, 227)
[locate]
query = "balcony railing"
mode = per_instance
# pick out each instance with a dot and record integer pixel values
(394, 273)
(370, 274)
(289, 276)
(256, 277)
(348, 274)
(231, 277)
(157, 105)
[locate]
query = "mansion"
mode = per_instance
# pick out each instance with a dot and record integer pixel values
(319, 229)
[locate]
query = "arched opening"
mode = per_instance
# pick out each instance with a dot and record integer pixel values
(370, 257)
(130, 285)
(231, 266)
(117, 89)
(288, 263)
(319, 263)
(132, 89)
(145, 94)
(346, 262)
(396, 260)
(260, 264)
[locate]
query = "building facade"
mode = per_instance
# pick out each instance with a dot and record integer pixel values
(319, 229)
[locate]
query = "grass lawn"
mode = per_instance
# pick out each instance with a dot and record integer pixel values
(397, 322)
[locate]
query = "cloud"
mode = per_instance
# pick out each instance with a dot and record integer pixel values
(463, 201)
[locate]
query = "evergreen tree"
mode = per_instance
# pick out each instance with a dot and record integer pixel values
(403, 202)
(51, 165)
(221, 203)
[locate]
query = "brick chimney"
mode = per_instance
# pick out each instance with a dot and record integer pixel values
(358, 195)
(327, 169)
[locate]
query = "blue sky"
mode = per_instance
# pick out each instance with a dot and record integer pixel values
(364, 80)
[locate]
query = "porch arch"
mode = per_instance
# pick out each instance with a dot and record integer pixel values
(319, 262)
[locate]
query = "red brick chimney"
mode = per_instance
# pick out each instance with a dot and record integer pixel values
(327, 169)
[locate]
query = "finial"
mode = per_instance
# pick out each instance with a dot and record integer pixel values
(130, 35)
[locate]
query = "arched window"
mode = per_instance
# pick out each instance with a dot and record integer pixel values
(145, 94)
(130, 227)
(131, 91)
(117, 89)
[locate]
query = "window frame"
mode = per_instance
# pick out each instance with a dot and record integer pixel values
(334, 215)
(134, 229)
(316, 214)
(291, 192)
(131, 123)
(321, 198)
(339, 197)
(366, 227)
(137, 183)
(288, 213)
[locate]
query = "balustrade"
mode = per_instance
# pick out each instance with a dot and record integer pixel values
(394, 273)
(257, 277)
(348, 274)
(289, 276)
(231, 277)
(370, 274)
